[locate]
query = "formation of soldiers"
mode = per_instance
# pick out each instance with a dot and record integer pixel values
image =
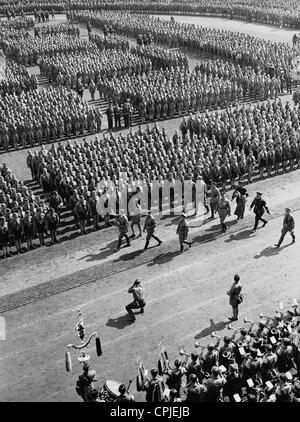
(67, 68)
(273, 12)
(16, 79)
(177, 91)
(257, 363)
(16, 23)
(29, 50)
(266, 136)
(53, 30)
(110, 42)
(239, 47)
(25, 216)
(218, 147)
(44, 115)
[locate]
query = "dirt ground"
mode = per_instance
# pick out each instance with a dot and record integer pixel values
(185, 293)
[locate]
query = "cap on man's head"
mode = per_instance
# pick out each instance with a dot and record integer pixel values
(122, 389)
(236, 277)
(193, 378)
(154, 372)
(258, 193)
(288, 209)
(216, 370)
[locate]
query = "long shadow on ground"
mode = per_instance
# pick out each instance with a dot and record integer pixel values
(163, 258)
(245, 234)
(104, 253)
(271, 251)
(120, 322)
(219, 326)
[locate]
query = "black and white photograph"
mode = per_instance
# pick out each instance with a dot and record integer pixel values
(150, 204)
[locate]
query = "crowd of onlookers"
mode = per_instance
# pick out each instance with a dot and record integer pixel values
(259, 362)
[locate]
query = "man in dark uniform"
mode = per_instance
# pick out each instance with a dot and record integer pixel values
(154, 387)
(259, 206)
(138, 299)
(235, 297)
(182, 231)
(122, 223)
(110, 114)
(150, 225)
(127, 111)
(117, 115)
(288, 226)
(124, 396)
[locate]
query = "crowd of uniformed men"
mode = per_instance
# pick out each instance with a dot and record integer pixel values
(219, 147)
(260, 363)
(283, 13)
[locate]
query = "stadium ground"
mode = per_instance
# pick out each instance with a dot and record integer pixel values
(186, 294)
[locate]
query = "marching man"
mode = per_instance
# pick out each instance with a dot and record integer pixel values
(259, 206)
(182, 231)
(150, 225)
(288, 226)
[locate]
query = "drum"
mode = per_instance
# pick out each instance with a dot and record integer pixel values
(110, 390)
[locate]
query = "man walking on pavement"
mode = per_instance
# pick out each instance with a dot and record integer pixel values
(150, 225)
(288, 226)
(182, 231)
(138, 299)
(122, 223)
(259, 207)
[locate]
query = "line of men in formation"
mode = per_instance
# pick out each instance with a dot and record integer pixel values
(239, 47)
(273, 12)
(111, 64)
(221, 149)
(29, 50)
(63, 28)
(38, 116)
(16, 79)
(266, 135)
(177, 91)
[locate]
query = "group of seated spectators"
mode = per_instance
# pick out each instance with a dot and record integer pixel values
(38, 116)
(16, 79)
(260, 363)
(236, 46)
